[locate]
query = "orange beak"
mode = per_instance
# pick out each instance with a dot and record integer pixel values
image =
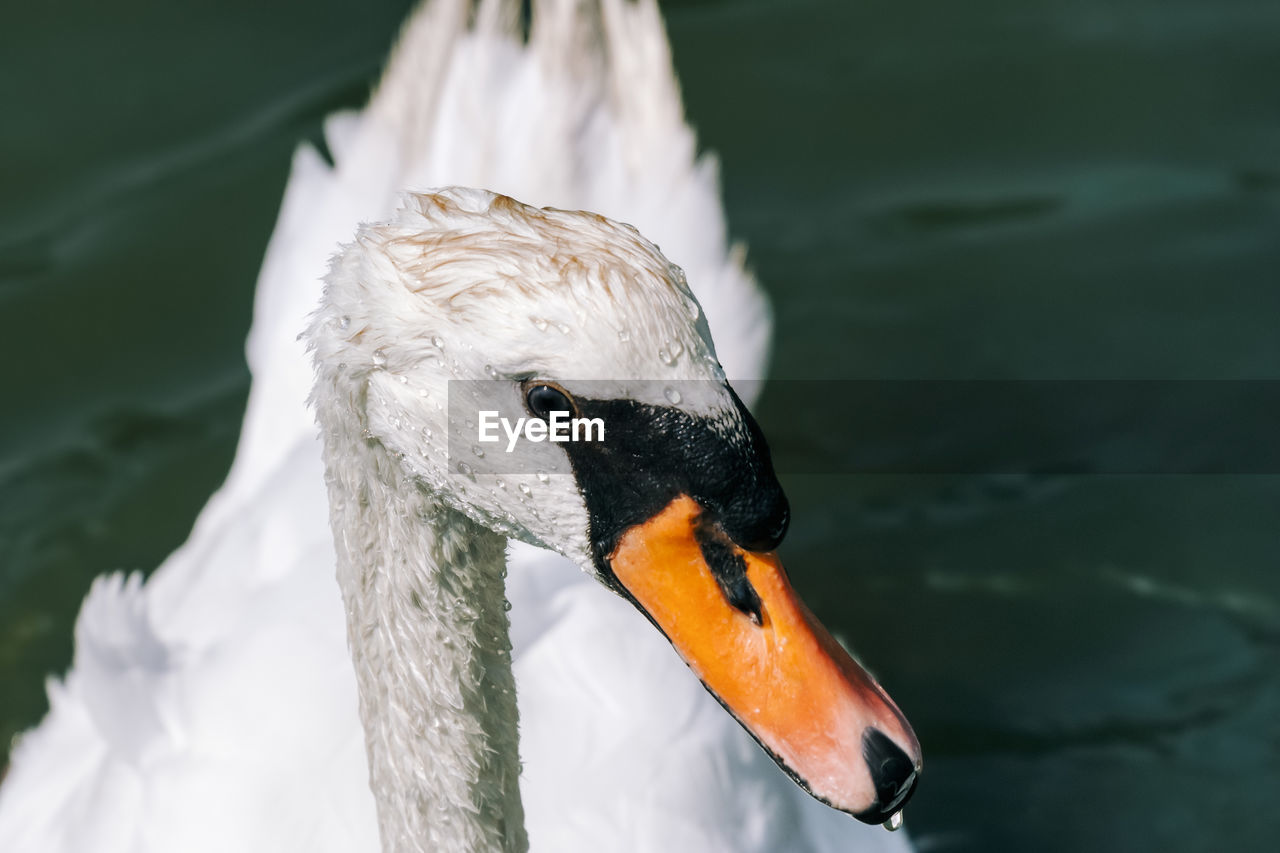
(770, 662)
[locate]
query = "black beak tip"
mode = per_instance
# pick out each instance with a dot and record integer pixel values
(893, 774)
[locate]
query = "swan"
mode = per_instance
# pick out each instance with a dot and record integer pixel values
(215, 707)
(673, 504)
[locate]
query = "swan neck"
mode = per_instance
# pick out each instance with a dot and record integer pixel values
(427, 625)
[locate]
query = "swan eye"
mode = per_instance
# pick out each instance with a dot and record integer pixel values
(545, 399)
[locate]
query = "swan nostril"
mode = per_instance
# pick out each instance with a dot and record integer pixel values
(729, 570)
(893, 774)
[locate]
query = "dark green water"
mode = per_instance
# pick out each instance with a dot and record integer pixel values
(930, 190)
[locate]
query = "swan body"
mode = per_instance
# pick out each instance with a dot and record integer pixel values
(215, 707)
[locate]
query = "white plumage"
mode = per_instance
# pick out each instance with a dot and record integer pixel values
(214, 707)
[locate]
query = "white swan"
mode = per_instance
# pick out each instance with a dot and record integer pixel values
(214, 708)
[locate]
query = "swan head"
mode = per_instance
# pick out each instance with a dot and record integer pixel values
(458, 333)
